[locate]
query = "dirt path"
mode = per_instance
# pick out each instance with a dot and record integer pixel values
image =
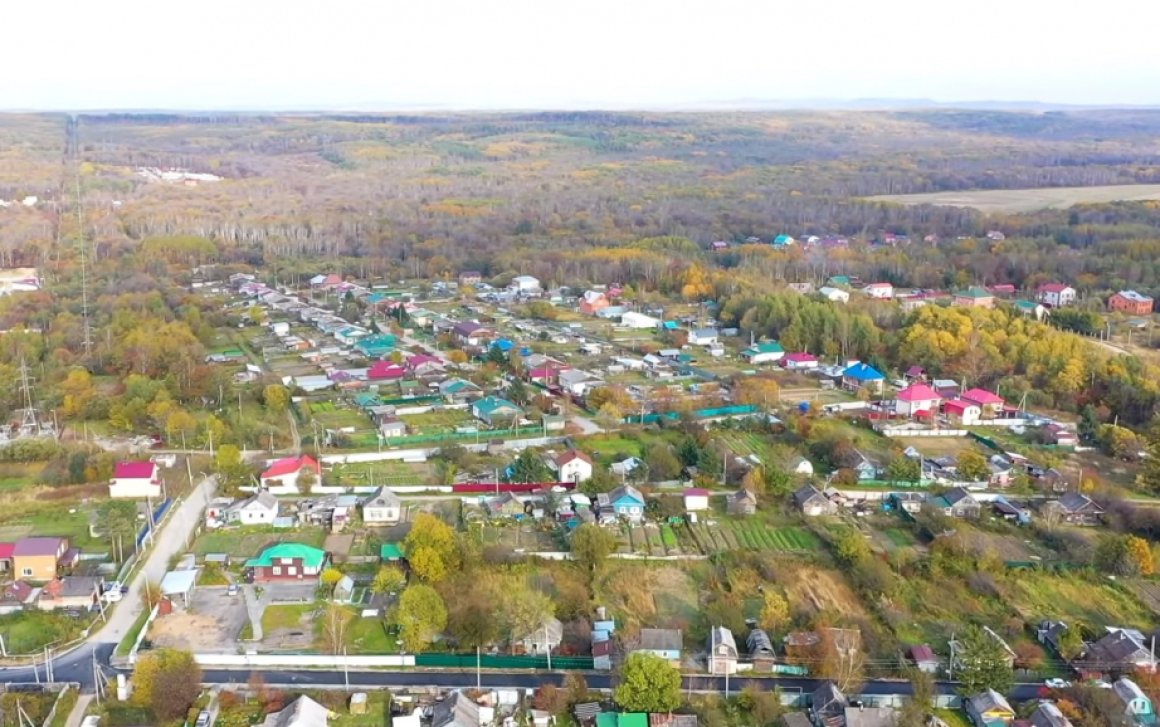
(296, 440)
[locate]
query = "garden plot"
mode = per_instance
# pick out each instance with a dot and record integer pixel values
(726, 534)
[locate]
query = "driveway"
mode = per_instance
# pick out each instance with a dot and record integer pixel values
(171, 539)
(211, 623)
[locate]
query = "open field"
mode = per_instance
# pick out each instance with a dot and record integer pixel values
(1027, 200)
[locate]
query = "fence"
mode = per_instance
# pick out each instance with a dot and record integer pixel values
(721, 411)
(302, 660)
(502, 661)
(483, 435)
(905, 432)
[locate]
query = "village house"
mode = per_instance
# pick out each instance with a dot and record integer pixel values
(70, 592)
(1120, 650)
(1046, 714)
(1031, 309)
(760, 648)
(457, 710)
(696, 499)
(813, 503)
(962, 413)
(258, 509)
(1059, 435)
(593, 301)
(525, 285)
(989, 403)
(1055, 295)
(458, 390)
(1074, 508)
(136, 480)
(470, 333)
(799, 361)
(1130, 302)
(703, 337)
(38, 558)
(665, 643)
(571, 466)
(917, 399)
(1137, 706)
(624, 502)
(1009, 654)
(289, 473)
(974, 297)
(989, 709)
(287, 562)
(882, 291)
(302, 712)
(1002, 290)
(760, 353)
(956, 502)
(828, 706)
(493, 410)
(543, 639)
(15, 596)
(506, 505)
(392, 426)
(577, 382)
(381, 371)
(633, 319)
(383, 507)
(923, 658)
(470, 277)
(836, 295)
(722, 650)
(742, 503)
(860, 375)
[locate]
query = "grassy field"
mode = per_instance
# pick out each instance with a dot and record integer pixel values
(15, 475)
(435, 421)
(287, 616)
(50, 518)
(378, 713)
(389, 472)
(26, 632)
(1037, 595)
(369, 636)
(993, 201)
(247, 542)
(939, 446)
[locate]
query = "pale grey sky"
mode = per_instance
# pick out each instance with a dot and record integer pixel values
(473, 54)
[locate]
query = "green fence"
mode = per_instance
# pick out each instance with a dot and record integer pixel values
(985, 441)
(502, 661)
(482, 435)
(724, 411)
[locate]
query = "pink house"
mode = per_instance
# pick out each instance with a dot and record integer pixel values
(386, 371)
(916, 398)
(799, 361)
(989, 403)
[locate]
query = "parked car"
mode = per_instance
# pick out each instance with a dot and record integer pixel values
(232, 590)
(1056, 683)
(202, 719)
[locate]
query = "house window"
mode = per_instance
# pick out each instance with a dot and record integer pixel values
(26, 572)
(276, 570)
(291, 571)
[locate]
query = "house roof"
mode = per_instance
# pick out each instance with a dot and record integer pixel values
(492, 404)
(37, 546)
(17, 591)
(1134, 296)
(759, 643)
(143, 470)
(696, 492)
(958, 405)
(386, 370)
(1127, 690)
(570, 455)
(262, 500)
(722, 636)
(73, 587)
(456, 711)
(311, 557)
(1053, 287)
(982, 396)
(922, 654)
(625, 491)
(989, 700)
(178, 581)
(383, 497)
(766, 347)
(391, 551)
(919, 392)
(800, 357)
(1076, 501)
(302, 712)
(863, 372)
(1048, 715)
(863, 716)
(805, 493)
(661, 639)
(289, 465)
(828, 700)
(974, 292)
(6, 550)
(1116, 649)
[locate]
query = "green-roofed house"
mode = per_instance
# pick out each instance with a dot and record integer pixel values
(974, 297)
(367, 400)
(768, 352)
(391, 552)
(287, 562)
(622, 719)
(839, 281)
(376, 346)
(1031, 309)
(492, 408)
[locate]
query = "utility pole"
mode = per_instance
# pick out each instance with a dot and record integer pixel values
(478, 675)
(951, 664)
(345, 669)
(88, 340)
(548, 646)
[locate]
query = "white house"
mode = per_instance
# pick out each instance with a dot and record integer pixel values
(259, 509)
(696, 499)
(578, 382)
(525, 284)
(768, 352)
(572, 466)
(384, 507)
(722, 651)
(835, 294)
(916, 398)
(879, 290)
(1056, 295)
(632, 319)
(802, 467)
(136, 480)
(284, 474)
(703, 336)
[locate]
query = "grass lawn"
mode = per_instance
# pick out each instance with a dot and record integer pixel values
(126, 644)
(64, 704)
(899, 537)
(285, 616)
(1073, 598)
(15, 476)
(433, 421)
(369, 636)
(378, 712)
(27, 632)
(953, 717)
(940, 446)
(41, 517)
(248, 541)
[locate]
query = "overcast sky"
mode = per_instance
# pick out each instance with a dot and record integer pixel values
(474, 54)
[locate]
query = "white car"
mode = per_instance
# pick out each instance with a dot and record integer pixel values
(1057, 683)
(112, 596)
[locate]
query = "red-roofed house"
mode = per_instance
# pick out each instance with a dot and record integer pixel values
(1055, 295)
(799, 361)
(989, 403)
(385, 371)
(962, 412)
(6, 550)
(593, 301)
(572, 466)
(286, 472)
(916, 398)
(136, 480)
(696, 498)
(421, 363)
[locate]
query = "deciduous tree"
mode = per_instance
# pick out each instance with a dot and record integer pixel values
(420, 616)
(648, 683)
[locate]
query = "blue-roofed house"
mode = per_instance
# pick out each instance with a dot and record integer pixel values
(862, 375)
(376, 346)
(349, 335)
(503, 344)
(625, 501)
(783, 240)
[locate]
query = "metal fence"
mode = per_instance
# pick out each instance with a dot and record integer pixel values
(502, 661)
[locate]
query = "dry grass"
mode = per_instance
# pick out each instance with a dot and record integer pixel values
(1027, 200)
(813, 591)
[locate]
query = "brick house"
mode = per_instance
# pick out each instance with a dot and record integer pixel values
(287, 562)
(1129, 301)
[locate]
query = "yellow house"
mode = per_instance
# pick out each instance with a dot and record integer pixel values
(36, 559)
